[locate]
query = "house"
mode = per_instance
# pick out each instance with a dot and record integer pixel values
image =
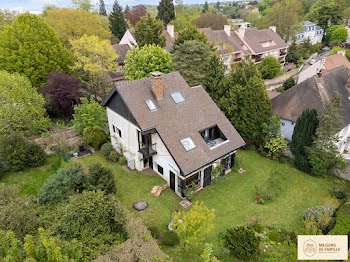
(233, 46)
(121, 50)
(309, 31)
(314, 93)
(162, 123)
(324, 64)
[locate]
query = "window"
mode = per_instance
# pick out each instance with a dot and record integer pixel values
(117, 130)
(213, 136)
(150, 105)
(160, 169)
(177, 97)
(188, 143)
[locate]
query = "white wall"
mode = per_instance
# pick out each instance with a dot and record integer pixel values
(287, 128)
(128, 39)
(344, 139)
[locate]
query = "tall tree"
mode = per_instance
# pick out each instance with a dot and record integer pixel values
(326, 13)
(149, 31)
(30, 47)
(102, 10)
(191, 59)
(166, 11)
(6, 17)
(21, 108)
(244, 99)
(117, 22)
(190, 32)
(94, 59)
(214, 77)
(323, 153)
(72, 24)
(141, 61)
(82, 4)
(303, 136)
(206, 7)
(285, 16)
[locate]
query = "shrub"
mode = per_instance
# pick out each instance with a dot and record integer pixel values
(95, 219)
(17, 153)
(242, 242)
(106, 149)
(342, 226)
(101, 178)
(170, 238)
(289, 83)
(321, 216)
(155, 232)
(258, 228)
(270, 67)
(61, 185)
(114, 156)
(122, 161)
(339, 190)
(94, 136)
(271, 189)
(275, 236)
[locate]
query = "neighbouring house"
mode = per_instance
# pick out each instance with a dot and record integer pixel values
(314, 93)
(121, 50)
(309, 31)
(324, 64)
(162, 123)
(233, 46)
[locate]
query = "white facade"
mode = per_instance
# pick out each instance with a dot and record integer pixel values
(310, 31)
(287, 128)
(128, 39)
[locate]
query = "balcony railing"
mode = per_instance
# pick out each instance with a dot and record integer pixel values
(283, 53)
(147, 150)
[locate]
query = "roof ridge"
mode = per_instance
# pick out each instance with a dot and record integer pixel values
(137, 80)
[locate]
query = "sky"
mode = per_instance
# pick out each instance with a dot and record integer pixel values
(37, 5)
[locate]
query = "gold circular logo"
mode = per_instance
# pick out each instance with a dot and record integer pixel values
(310, 248)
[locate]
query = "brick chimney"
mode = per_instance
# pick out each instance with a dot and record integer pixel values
(170, 30)
(241, 32)
(227, 29)
(273, 28)
(157, 84)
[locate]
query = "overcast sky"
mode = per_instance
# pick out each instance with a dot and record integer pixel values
(24, 5)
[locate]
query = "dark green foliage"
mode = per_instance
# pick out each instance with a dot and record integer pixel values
(289, 83)
(114, 156)
(303, 134)
(275, 236)
(242, 86)
(339, 189)
(325, 11)
(102, 10)
(61, 185)
(301, 51)
(30, 47)
(94, 136)
(342, 226)
(149, 31)
(106, 149)
(117, 23)
(17, 153)
(122, 161)
(269, 67)
(206, 7)
(155, 232)
(336, 33)
(93, 218)
(170, 238)
(214, 76)
(101, 178)
(190, 32)
(191, 59)
(242, 242)
(17, 213)
(166, 11)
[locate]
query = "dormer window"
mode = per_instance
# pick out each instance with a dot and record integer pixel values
(177, 97)
(213, 136)
(188, 143)
(150, 105)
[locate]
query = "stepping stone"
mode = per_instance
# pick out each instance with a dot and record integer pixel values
(185, 203)
(241, 171)
(140, 205)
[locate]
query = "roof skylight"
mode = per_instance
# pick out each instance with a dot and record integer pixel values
(188, 143)
(177, 97)
(150, 105)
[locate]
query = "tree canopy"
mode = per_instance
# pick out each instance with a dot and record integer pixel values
(190, 32)
(166, 11)
(214, 77)
(30, 47)
(85, 5)
(22, 108)
(70, 24)
(117, 23)
(102, 9)
(214, 21)
(325, 11)
(269, 67)
(134, 15)
(336, 33)
(141, 61)
(149, 31)
(191, 59)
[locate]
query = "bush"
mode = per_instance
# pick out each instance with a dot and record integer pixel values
(95, 219)
(342, 226)
(275, 236)
(155, 232)
(17, 153)
(258, 228)
(271, 189)
(339, 190)
(242, 242)
(61, 185)
(270, 67)
(289, 83)
(170, 238)
(94, 136)
(114, 156)
(106, 149)
(101, 178)
(122, 161)
(321, 216)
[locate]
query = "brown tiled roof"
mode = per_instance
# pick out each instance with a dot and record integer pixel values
(336, 60)
(169, 40)
(254, 37)
(314, 93)
(121, 51)
(273, 94)
(174, 122)
(219, 36)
